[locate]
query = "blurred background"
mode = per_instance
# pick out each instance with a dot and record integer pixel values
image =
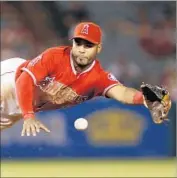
(139, 44)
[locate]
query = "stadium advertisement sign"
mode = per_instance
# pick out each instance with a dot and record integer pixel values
(115, 130)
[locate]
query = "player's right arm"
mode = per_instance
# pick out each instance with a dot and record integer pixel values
(36, 70)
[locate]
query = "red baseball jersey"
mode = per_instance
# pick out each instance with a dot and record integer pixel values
(50, 81)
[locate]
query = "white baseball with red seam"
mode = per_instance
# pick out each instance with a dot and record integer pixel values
(81, 124)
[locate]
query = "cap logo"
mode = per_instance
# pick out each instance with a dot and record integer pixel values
(85, 29)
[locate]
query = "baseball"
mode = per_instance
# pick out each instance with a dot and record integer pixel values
(81, 124)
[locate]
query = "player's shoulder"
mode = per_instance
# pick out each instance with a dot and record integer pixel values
(103, 73)
(58, 50)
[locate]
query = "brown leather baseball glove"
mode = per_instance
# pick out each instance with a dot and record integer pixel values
(157, 100)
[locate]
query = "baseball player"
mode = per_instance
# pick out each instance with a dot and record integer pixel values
(59, 77)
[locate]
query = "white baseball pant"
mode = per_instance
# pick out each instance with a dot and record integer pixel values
(10, 111)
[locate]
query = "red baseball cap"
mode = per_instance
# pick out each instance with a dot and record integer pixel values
(88, 31)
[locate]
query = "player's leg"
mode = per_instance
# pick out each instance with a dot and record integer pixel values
(10, 111)
(7, 121)
(11, 64)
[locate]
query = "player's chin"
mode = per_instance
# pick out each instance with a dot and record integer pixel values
(82, 62)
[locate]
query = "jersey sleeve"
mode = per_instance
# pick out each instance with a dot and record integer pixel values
(40, 66)
(35, 71)
(106, 81)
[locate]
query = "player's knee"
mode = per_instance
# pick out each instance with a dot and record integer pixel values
(3, 127)
(7, 123)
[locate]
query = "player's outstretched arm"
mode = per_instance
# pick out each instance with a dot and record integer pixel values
(155, 98)
(125, 95)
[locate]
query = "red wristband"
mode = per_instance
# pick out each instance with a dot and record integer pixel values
(138, 98)
(29, 115)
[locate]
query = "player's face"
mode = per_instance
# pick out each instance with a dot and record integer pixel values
(84, 52)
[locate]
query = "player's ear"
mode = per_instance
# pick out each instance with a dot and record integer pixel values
(99, 48)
